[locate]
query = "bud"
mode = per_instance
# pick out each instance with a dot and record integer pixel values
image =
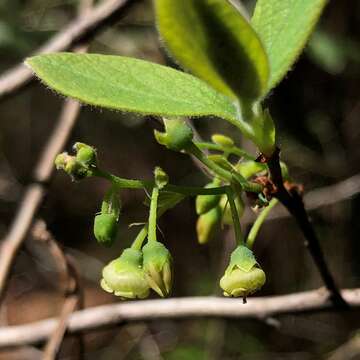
(161, 178)
(226, 209)
(106, 223)
(204, 203)
(243, 276)
(85, 154)
(178, 134)
(105, 229)
(207, 225)
(157, 266)
(71, 166)
(222, 140)
(250, 168)
(124, 276)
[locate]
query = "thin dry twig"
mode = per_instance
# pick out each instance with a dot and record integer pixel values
(34, 193)
(79, 30)
(347, 351)
(73, 292)
(178, 308)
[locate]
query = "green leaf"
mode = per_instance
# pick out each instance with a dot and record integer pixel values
(129, 84)
(284, 26)
(214, 41)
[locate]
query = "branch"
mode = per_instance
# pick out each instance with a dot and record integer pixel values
(35, 192)
(79, 30)
(293, 202)
(72, 291)
(324, 196)
(177, 308)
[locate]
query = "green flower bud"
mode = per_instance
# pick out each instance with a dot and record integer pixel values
(204, 203)
(226, 209)
(207, 224)
(61, 160)
(178, 134)
(85, 154)
(243, 276)
(161, 178)
(71, 166)
(105, 229)
(250, 168)
(106, 223)
(124, 276)
(222, 140)
(157, 265)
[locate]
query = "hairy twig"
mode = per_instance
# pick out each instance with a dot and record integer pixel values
(177, 308)
(79, 30)
(293, 202)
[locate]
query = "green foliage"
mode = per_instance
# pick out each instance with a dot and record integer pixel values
(332, 52)
(284, 27)
(213, 40)
(129, 84)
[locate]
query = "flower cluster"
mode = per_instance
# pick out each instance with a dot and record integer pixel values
(148, 264)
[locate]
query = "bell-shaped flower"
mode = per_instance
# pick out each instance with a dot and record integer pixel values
(125, 277)
(222, 140)
(105, 229)
(205, 203)
(157, 265)
(243, 276)
(207, 225)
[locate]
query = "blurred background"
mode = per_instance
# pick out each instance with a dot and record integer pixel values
(317, 110)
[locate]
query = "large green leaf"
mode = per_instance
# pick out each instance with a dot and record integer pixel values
(215, 42)
(284, 27)
(130, 85)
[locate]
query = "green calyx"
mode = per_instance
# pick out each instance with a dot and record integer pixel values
(85, 154)
(125, 277)
(207, 225)
(157, 265)
(178, 134)
(243, 276)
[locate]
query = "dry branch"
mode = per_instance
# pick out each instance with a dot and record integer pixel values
(77, 31)
(73, 292)
(178, 308)
(35, 192)
(292, 200)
